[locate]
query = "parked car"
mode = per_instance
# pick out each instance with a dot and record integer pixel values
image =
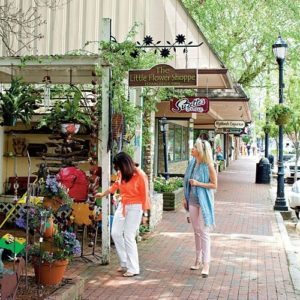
(288, 156)
(294, 198)
(289, 169)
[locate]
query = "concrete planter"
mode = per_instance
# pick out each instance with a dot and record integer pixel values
(173, 200)
(156, 210)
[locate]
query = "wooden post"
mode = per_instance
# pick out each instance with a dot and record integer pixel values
(104, 152)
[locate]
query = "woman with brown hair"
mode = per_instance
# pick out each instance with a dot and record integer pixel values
(132, 183)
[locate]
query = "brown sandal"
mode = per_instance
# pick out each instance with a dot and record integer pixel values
(121, 269)
(129, 274)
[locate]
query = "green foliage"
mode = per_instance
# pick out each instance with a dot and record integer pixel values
(71, 110)
(246, 139)
(170, 185)
(247, 53)
(278, 112)
(144, 229)
(120, 55)
(18, 102)
(51, 188)
(63, 246)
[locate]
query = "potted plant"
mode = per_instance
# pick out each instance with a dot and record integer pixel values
(69, 113)
(50, 258)
(55, 194)
(172, 190)
(280, 113)
(266, 128)
(48, 219)
(40, 220)
(18, 102)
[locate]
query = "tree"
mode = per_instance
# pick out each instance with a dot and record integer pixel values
(242, 33)
(19, 27)
(292, 129)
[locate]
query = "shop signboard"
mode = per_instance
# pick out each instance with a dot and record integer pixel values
(229, 124)
(236, 131)
(189, 105)
(163, 75)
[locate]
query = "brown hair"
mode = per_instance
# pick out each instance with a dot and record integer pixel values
(123, 162)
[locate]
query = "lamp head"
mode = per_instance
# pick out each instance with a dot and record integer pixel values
(280, 48)
(163, 124)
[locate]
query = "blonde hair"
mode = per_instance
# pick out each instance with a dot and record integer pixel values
(204, 149)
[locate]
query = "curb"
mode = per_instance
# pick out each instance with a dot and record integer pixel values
(72, 290)
(291, 254)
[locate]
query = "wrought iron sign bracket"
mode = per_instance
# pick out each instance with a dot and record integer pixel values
(164, 50)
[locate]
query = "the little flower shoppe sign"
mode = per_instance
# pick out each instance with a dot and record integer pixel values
(163, 75)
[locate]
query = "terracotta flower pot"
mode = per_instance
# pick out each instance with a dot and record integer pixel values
(54, 203)
(49, 273)
(50, 230)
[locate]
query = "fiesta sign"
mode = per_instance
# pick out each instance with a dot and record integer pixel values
(163, 75)
(230, 124)
(190, 105)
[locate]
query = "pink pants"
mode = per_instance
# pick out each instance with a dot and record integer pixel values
(202, 237)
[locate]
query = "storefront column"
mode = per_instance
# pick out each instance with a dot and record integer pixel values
(138, 142)
(1, 155)
(149, 149)
(104, 153)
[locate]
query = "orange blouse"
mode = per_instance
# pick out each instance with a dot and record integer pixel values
(135, 191)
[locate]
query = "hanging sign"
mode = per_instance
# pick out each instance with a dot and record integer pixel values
(163, 75)
(190, 105)
(236, 131)
(230, 124)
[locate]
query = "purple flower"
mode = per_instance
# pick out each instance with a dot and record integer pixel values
(20, 222)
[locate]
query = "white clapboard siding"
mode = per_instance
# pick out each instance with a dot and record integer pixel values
(70, 26)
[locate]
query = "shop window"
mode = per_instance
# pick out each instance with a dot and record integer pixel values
(177, 143)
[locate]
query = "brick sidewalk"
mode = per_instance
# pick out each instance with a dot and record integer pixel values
(248, 258)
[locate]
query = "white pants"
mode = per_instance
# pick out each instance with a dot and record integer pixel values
(123, 233)
(202, 234)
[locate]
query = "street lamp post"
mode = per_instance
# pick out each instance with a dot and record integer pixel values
(163, 128)
(267, 138)
(280, 49)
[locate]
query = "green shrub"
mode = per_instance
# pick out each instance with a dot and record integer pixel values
(162, 185)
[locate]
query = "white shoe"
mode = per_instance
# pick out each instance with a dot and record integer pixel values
(197, 266)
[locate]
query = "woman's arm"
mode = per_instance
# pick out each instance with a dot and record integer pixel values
(212, 184)
(102, 194)
(111, 189)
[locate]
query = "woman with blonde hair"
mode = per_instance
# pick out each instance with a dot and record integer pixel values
(199, 182)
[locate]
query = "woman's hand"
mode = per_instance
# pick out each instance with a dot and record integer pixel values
(99, 195)
(194, 182)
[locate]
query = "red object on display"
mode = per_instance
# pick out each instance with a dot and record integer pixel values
(76, 181)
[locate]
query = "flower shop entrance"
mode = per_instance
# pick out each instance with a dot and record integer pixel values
(43, 72)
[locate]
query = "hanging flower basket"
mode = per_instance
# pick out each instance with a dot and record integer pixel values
(117, 125)
(280, 113)
(282, 119)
